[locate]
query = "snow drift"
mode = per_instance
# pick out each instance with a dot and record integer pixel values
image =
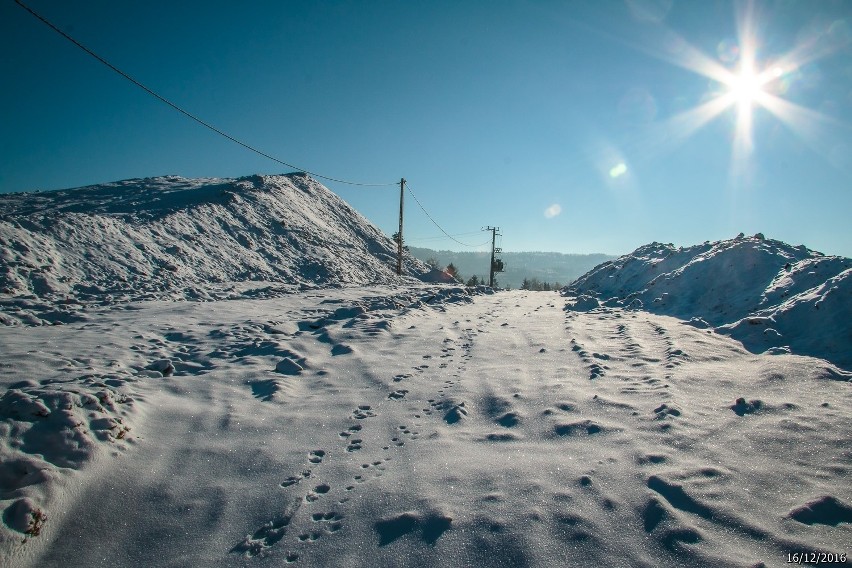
(176, 238)
(770, 295)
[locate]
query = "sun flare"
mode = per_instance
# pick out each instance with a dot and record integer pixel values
(747, 82)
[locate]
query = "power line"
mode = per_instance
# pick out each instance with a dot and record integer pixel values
(420, 239)
(435, 222)
(185, 112)
(441, 237)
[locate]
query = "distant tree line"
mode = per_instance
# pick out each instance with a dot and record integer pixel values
(479, 281)
(454, 272)
(533, 284)
(546, 266)
(536, 285)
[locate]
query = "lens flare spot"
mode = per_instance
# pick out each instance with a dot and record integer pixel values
(728, 50)
(637, 106)
(650, 10)
(553, 211)
(618, 170)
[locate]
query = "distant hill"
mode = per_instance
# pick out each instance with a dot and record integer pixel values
(770, 295)
(546, 266)
(177, 238)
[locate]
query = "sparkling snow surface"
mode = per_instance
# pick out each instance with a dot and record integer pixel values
(416, 426)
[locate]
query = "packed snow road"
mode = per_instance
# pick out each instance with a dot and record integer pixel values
(415, 427)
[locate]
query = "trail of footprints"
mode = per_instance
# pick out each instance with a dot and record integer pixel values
(331, 520)
(316, 492)
(636, 356)
(640, 381)
(323, 522)
(673, 356)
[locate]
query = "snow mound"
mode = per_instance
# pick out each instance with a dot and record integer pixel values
(176, 238)
(584, 303)
(772, 296)
(54, 427)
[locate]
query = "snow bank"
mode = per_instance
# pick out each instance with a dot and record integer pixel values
(176, 238)
(770, 295)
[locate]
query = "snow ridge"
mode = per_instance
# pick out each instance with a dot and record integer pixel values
(772, 296)
(176, 238)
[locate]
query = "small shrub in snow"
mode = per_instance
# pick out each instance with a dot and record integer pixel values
(23, 516)
(37, 519)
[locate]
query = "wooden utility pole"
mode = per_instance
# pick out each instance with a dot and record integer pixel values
(493, 242)
(399, 234)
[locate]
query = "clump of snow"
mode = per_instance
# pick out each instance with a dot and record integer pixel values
(437, 275)
(584, 303)
(816, 322)
(162, 366)
(770, 295)
(63, 423)
(288, 367)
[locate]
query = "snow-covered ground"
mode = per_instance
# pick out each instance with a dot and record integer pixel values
(414, 426)
(229, 373)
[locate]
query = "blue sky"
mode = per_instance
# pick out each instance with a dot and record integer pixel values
(574, 126)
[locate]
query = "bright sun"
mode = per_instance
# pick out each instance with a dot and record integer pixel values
(747, 86)
(746, 89)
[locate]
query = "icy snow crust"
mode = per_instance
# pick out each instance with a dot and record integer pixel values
(773, 297)
(176, 238)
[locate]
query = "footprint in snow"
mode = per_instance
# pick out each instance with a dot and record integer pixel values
(295, 479)
(363, 412)
(741, 407)
(353, 444)
(330, 522)
(318, 491)
(595, 371)
(430, 525)
(259, 543)
(665, 410)
(341, 349)
(351, 430)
